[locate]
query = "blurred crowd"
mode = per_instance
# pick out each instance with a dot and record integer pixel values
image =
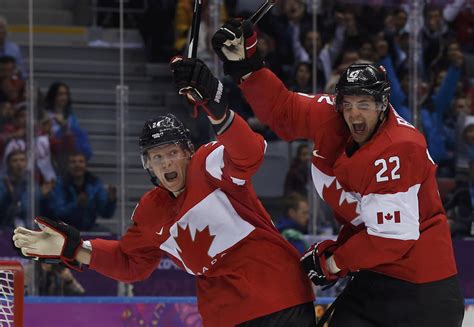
(64, 188)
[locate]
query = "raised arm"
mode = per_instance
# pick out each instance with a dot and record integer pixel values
(290, 115)
(243, 150)
(397, 95)
(240, 150)
(445, 94)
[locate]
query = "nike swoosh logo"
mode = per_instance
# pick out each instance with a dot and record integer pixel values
(315, 153)
(160, 232)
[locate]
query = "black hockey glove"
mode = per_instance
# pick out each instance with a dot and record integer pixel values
(236, 45)
(194, 79)
(55, 242)
(314, 263)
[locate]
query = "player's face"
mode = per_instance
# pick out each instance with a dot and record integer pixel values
(361, 114)
(169, 163)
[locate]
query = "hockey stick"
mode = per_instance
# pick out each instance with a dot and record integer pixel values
(194, 36)
(264, 8)
(192, 48)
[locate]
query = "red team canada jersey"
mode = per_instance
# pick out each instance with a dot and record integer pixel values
(219, 231)
(385, 194)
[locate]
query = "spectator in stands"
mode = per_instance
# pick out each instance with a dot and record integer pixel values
(12, 87)
(294, 223)
(349, 57)
(461, 14)
(302, 78)
(465, 142)
(183, 21)
(43, 158)
(440, 137)
(14, 191)
(266, 48)
(16, 130)
(8, 48)
(64, 122)
(6, 113)
(396, 35)
(8, 67)
(373, 14)
(396, 21)
(79, 197)
(296, 19)
(462, 105)
(326, 53)
(297, 176)
(367, 51)
(58, 280)
(287, 30)
(435, 35)
(13, 136)
(59, 147)
(459, 206)
(6, 123)
(157, 30)
(355, 34)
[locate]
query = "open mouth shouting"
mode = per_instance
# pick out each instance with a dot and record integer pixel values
(359, 128)
(171, 177)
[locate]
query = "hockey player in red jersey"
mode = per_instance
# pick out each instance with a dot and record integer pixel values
(205, 215)
(374, 170)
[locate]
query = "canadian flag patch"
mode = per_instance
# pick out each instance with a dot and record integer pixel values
(382, 216)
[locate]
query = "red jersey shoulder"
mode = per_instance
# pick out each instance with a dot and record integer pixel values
(331, 132)
(204, 150)
(401, 131)
(150, 205)
(325, 105)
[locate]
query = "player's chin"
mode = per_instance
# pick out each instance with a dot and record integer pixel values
(175, 185)
(359, 137)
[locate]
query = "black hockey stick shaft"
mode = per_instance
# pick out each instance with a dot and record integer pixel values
(264, 8)
(194, 36)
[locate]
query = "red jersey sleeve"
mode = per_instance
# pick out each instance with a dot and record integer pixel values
(290, 115)
(238, 153)
(389, 208)
(130, 259)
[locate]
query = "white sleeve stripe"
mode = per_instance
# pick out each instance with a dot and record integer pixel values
(238, 181)
(215, 162)
(215, 165)
(393, 216)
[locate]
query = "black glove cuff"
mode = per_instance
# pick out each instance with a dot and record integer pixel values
(225, 124)
(238, 69)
